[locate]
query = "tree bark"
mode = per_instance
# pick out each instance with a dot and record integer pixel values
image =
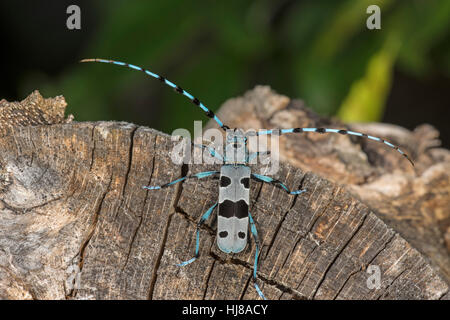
(76, 224)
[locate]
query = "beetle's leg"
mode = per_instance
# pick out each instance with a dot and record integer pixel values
(199, 175)
(197, 242)
(255, 266)
(276, 182)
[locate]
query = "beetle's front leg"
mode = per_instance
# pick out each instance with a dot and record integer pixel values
(199, 175)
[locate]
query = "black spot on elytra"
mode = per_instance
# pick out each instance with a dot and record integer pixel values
(223, 234)
(228, 209)
(241, 235)
(245, 182)
(225, 181)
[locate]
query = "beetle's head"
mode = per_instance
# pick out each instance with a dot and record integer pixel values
(236, 144)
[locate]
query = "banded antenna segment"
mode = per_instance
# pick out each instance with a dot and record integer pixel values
(177, 88)
(340, 131)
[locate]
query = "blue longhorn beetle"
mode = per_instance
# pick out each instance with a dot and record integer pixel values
(233, 214)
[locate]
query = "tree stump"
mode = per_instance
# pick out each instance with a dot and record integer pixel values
(76, 224)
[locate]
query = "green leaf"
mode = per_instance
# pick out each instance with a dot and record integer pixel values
(366, 99)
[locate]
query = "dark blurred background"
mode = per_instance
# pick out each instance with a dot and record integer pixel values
(320, 51)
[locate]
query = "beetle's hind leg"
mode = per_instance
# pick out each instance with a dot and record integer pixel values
(255, 266)
(197, 241)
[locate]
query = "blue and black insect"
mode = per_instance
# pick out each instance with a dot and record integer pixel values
(235, 174)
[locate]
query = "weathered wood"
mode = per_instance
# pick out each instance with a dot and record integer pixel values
(72, 207)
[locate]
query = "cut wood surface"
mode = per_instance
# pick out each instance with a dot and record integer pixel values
(75, 223)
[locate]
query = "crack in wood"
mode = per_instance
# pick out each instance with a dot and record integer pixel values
(207, 279)
(194, 222)
(20, 211)
(339, 254)
(93, 146)
(143, 207)
(82, 250)
(272, 282)
(247, 283)
(443, 295)
(390, 284)
(325, 209)
(307, 267)
(345, 282)
(178, 191)
(277, 229)
(388, 242)
(130, 158)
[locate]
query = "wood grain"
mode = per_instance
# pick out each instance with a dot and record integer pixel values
(72, 211)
